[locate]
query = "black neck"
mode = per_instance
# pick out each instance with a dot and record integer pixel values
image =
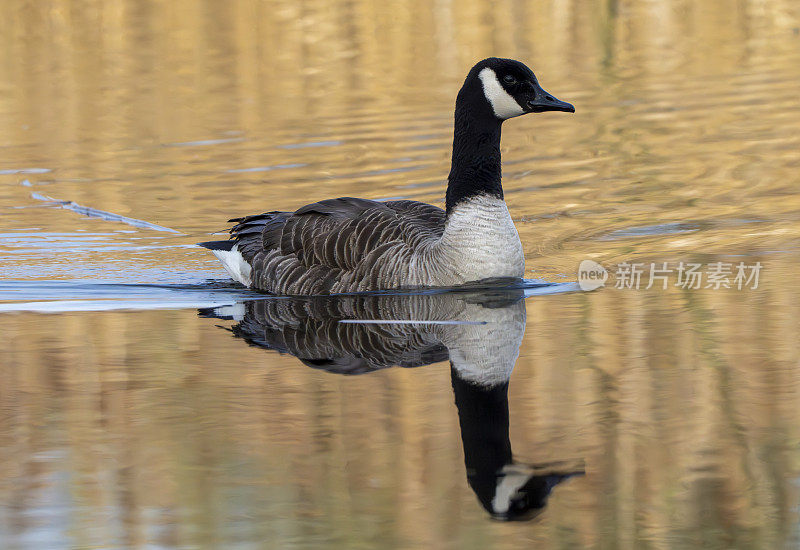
(475, 168)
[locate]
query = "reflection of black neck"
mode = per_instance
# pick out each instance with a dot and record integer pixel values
(483, 416)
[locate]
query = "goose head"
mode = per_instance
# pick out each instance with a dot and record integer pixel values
(505, 88)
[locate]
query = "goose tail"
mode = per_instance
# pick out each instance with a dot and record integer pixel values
(218, 245)
(232, 260)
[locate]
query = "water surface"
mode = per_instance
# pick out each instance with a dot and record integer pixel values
(133, 411)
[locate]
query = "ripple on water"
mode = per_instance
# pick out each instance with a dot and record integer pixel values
(650, 230)
(96, 295)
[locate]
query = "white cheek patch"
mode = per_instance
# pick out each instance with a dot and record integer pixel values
(509, 485)
(503, 105)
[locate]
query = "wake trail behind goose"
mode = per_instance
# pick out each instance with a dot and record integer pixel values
(102, 214)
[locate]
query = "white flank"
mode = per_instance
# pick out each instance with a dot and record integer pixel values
(503, 105)
(235, 264)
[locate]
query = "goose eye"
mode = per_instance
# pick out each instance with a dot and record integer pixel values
(508, 79)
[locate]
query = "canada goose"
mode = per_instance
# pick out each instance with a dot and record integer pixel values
(351, 245)
(479, 332)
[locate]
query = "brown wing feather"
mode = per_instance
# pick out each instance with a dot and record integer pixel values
(336, 245)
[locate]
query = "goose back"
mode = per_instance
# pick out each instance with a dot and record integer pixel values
(352, 245)
(339, 245)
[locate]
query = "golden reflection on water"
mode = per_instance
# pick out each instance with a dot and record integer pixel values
(159, 427)
(156, 427)
(686, 112)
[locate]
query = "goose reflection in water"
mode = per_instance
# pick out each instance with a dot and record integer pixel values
(480, 332)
